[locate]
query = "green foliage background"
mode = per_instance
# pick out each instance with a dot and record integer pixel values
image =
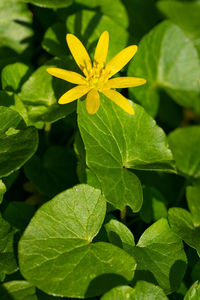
(103, 206)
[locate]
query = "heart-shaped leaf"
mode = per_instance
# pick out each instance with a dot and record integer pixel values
(115, 142)
(58, 240)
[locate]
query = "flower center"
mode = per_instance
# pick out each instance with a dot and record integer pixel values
(96, 78)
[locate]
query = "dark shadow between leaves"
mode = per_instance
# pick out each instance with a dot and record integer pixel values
(115, 239)
(176, 274)
(103, 283)
(5, 295)
(144, 275)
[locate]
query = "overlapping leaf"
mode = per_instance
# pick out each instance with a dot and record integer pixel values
(40, 94)
(17, 142)
(56, 253)
(120, 235)
(142, 290)
(193, 293)
(115, 142)
(169, 65)
(17, 290)
(185, 143)
(14, 75)
(90, 25)
(155, 262)
(186, 224)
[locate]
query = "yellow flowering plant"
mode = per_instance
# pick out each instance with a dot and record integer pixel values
(97, 74)
(105, 201)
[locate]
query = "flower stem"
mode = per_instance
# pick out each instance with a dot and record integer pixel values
(123, 215)
(47, 129)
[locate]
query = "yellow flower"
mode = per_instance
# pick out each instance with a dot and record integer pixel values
(97, 75)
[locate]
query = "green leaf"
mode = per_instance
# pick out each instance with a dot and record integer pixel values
(59, 237)
(54, 172)
(115, 10)
(184, 143)
(17, 290)
(14, 75)
(115, 142)
(17, 142)
(11, 100)
(154, 205)
(8, 263)
(50, 3)
(181, 222)
(169, 65)
(120, 235)
(15, 25)
(193, 200)
(40, 94)
(193, 292)
(2, 190)
(155, 262)
(142, 290)
(185, 15)
(91, 25)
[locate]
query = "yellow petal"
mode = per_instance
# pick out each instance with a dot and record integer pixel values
(124, 82)
(69, 76)
(120, 60)
(101, 50)
(119, 100)
(92, 101)
(74, 94)
(79, 53)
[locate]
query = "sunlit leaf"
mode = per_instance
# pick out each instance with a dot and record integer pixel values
(169, 65)
(142, 290)
(59, 238)
(155, 262)
(116, 142)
